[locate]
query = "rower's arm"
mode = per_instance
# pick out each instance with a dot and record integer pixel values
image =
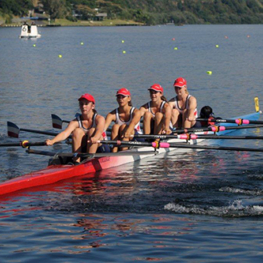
(64, 134)
(190, 118)
(135, 119)
(142, 110)
(109, 119)
(100, 124)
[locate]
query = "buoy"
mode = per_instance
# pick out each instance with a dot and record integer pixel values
(60, 56)
(124, 52)
(81, 43)
(173, 39)
(34, 45)
(175, 48)
(226, 37)
(248, 35)
(122, 41)
(217, 46)
(209, 72)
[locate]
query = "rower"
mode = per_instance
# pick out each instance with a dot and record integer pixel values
(126, 118)
(184, 106)
(86, 129)
(156, 113)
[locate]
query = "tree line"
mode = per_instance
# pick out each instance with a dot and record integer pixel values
(149, 12)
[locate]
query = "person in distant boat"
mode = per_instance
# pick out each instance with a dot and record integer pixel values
(184, 106)
(126, 118)
(156, 113)
(86, 129)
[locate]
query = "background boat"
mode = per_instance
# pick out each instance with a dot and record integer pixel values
(29, 31)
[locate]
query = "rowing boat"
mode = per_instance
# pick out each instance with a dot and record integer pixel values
(56, 171)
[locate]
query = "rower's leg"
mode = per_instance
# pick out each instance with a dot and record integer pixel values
(147, 118)
(122, 131)
(92, 147)
(159, 119)
(115, 135)
(78, 141)
(175, 116)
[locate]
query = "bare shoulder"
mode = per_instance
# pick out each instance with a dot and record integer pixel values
(144, 106)
(99, 117)
(192, 99)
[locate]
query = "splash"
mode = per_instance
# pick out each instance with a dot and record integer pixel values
(235, 209)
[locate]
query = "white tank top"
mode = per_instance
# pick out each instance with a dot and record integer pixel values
(150, 109)
(176, 105)
(120, 122)
(104, 135)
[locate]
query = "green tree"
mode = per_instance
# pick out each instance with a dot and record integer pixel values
(55, 8)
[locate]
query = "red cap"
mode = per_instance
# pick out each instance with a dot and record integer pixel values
(156, 87)
(180, 82)
(88, 97)
(123, 92)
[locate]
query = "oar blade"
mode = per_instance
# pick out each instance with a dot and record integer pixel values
(12, 130)
(56, 121)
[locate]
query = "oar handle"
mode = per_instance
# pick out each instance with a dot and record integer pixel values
(238, 121)
(24, 144)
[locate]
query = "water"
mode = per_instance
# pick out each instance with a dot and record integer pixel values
(201, 206)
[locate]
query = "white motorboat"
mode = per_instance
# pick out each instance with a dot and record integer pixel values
(29, 31)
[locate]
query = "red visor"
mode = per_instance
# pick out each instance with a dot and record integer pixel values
(88, 97)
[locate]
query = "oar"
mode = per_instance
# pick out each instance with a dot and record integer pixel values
(157, 144)
(91, 155)
(190, 136)
(217, 128)
(237, 121)
(24, 144)
(13, 130)
(210, 147)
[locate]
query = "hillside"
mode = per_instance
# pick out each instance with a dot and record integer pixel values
(145, 11)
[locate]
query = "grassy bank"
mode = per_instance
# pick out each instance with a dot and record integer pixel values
(65, 22)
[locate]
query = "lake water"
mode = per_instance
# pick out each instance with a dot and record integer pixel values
(203, 206)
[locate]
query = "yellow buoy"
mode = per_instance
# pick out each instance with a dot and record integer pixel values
(175, 48)
(81, 43)
(60, 56)
(217, 46)
(124, 52)
(34, 45)
(209, 72)
(122, 41)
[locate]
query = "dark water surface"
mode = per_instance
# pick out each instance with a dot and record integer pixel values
(197, 206)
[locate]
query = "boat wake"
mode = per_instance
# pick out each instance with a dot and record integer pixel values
(241, 191)
(236, 209)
